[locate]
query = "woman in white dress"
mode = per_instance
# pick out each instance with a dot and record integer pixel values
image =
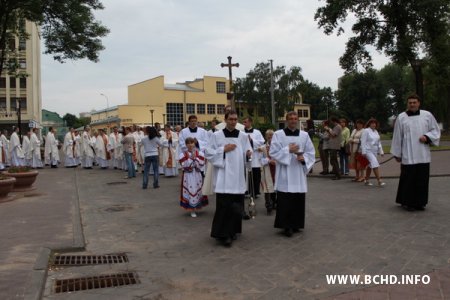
(371, 147)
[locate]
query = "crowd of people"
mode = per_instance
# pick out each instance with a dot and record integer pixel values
(235, 161)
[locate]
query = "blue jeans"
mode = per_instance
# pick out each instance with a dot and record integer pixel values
(130, 164)
(151, 160)
(343, 159)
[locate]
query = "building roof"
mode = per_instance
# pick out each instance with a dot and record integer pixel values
(105, 110)
(51, 117)
(180, 87)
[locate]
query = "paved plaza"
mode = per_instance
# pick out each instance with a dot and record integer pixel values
(351, 229)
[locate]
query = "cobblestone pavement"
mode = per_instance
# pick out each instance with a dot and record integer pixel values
(351, 229)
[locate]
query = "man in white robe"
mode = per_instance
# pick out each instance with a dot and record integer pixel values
(227, 152)
(36, 161)
(115, 139)
(414, 132)
(6, 160)
(70, 159)
(87, 144)
(294, 154)
(169, 149)
(256, 141)
(101, 149)
(51, 153)
(193, 131)
(15, 150)
(26, 148)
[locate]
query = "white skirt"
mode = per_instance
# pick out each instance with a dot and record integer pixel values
(373, 161)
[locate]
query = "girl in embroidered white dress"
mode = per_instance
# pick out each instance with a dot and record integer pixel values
(192, 162)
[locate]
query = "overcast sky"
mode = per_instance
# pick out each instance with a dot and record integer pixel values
(184, 40)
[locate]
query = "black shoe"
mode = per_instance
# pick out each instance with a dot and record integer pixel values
(234, 237)
(245, 217)
(324, 173)
(422, 208)
(288, 232)
(227, 242)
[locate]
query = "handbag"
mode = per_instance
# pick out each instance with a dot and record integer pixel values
(362, 160)
(347, 148)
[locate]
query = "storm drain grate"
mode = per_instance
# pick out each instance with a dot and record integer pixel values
(95, 282)
(116, 182)
(82, 260)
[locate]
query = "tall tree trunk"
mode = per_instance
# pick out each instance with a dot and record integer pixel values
(417, 69)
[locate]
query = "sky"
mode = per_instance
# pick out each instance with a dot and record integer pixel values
(184, 40)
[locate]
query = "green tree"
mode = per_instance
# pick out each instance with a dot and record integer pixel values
(254, 89)
(71, 120)
(68, 28)
(322, 100)
(402, 29)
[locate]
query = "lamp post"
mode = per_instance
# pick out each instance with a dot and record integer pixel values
(272, 96)
(164, 119)
(107, 108)
(152, 111)
(19, 118)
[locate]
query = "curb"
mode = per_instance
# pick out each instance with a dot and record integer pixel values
(36, 287)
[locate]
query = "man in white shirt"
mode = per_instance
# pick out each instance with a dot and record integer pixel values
(15, 149)
(36, 160)
(51, 153)
(414, 132)
(193, 131)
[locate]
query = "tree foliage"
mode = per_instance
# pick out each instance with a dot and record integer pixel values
(68, 28)
(407, 31)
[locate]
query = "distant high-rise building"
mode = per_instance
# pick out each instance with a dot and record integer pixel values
(23, 91)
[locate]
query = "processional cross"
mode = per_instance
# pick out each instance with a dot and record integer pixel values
(230, 95)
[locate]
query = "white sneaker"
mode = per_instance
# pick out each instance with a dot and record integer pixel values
(381, 184)
(193, 214)
(368, 183)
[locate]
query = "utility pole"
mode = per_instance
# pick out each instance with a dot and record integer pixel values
(272, 95)
(230, 95)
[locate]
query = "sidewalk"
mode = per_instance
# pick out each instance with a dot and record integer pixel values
(350, 229)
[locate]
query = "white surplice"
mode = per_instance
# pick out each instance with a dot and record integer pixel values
(26, 148)
(51, 153)
(70, 159)
(408, 130)
(290, 174)
(228, 167)
(15, 151)
(36, 160)
(201, 135)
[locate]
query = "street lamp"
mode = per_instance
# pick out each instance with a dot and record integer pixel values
(152, 111)
(164, 119)
(107, 108)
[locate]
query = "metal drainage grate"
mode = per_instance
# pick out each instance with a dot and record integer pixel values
(82, 260)
(116, 182)
(95, 282)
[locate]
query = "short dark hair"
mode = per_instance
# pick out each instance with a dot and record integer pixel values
(249, 118)
(372, 120)
(359, 121)
(189, 140)
(230, 112)
(291, 113)
(192, 117)
(152, 133)
(334, 119)
(413, 96)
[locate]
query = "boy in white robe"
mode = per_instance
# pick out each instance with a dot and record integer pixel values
(15, 150)
(227, 152)
(193, 131)
(51, 153)
(26, 148)
(70, 159)
(36, 161)
(414, 132)
(294, 154)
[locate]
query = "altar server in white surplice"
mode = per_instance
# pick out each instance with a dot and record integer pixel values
(414, 132)
(15, 150)
(193, 131)
(227, 152)
(26, 148)
(70, 160)
(51, 153)
(294, 154)
(36, 160)
(256, 141)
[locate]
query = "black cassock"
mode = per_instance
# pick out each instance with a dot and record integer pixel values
(413, 185)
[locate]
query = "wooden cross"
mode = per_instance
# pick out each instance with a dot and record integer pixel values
(230, 94)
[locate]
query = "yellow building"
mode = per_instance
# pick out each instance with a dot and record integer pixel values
(23, 92)
(154, 101)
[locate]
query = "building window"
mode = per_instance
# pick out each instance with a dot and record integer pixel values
(200, 109)
(190, 108)
(23, 104)
(23, 64)
(303, 113)
(175, 113)
(211, 109)
(13, 104)
(22, 44)
(12, 44)
(12, 82)
(220, 109)
(23, 83)
(2, 104)
(2, 83)
(220, 87)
